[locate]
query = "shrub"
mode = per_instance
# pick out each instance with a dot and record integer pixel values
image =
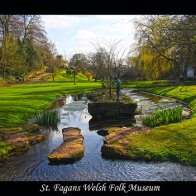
(48, 118)
(164, 116)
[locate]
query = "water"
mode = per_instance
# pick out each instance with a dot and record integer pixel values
(148, 104)
(34, 166)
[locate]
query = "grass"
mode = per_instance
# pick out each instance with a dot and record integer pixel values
(173, 142)
(63, 76)
(166, 143)
(162, 117)
(48, 118)
(4, 149)
(20, 102)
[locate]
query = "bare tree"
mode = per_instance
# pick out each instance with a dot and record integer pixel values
(107, 61)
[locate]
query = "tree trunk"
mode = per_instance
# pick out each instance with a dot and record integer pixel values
(4, 71)
(186, 63)
(110, 88)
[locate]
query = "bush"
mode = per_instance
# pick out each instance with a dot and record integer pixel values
(165, 116)
(47, 118)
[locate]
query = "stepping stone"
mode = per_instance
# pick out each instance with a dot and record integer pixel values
(71, 149)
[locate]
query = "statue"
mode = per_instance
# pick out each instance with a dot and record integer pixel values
(117, 80)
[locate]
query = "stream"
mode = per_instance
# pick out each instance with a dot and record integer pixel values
(34, 165)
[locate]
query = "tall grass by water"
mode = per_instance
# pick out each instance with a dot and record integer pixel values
(164, 116)
(48, 118)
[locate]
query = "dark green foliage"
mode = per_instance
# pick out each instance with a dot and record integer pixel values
(47, 118)
(163, 117)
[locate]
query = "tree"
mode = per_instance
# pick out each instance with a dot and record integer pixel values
(149, 64)
(128, 71)
(88, 74)
(24, 46)
(77, 64)
(8, 46)
(11, 61)
(108, 60)
(31, 36)
(171, 38)
(98, 62)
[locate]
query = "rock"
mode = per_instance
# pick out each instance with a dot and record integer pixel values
(112, 110)
(21, 142)
(71, 131)
(18, 140)
(31, 127)
(96, 124)
(35, 139)
(103, 132)
(57, 103)
(71, 149)
(115, 144)
(119, 133)
(68, 151)
(114, 152)
(167, 100)
(12, 136)
(186, 113)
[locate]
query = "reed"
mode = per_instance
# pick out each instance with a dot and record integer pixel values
(48, 118)
(164, 116)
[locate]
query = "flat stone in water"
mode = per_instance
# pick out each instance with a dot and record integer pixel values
(71, 149)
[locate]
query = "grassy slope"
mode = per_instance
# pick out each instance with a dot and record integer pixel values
(174, 142)
(22, 101)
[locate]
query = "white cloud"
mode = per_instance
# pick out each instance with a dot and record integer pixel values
(85, 35)
(59, 21)
(107, 17)
(79, 49)
(77, 33)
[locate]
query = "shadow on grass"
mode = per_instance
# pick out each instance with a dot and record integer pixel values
(154, 89)
(190, 99)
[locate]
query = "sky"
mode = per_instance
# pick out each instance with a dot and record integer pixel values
(78, 33)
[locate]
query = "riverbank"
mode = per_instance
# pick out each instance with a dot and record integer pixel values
(20, 102)
(174, 142)
(17, 140)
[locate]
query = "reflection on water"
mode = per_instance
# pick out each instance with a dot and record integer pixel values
(33, 165)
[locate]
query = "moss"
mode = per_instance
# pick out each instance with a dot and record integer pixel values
(5, 149)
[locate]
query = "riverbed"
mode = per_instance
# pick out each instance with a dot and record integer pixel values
(34, 165)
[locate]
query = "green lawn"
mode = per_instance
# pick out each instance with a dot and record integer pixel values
(22, 101)
(174, 142)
